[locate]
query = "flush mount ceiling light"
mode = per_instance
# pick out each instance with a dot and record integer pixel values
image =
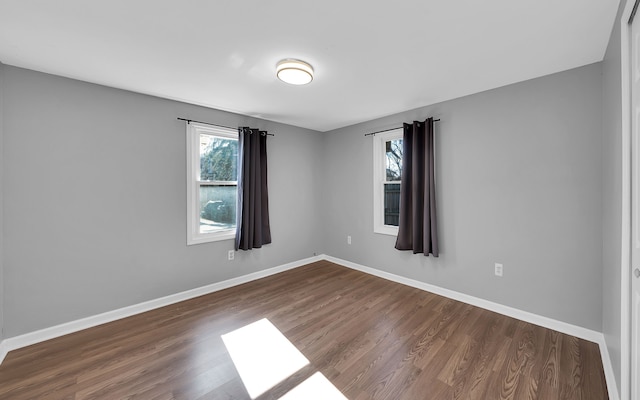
(294, 72)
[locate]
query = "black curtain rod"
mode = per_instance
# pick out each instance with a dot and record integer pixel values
(391, 129)
(219, 126)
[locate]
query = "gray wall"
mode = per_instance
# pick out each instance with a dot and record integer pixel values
(612, 197)
(95, 200)
(1, 204)
(519, 179)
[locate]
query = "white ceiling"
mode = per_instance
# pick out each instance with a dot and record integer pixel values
(372, 58)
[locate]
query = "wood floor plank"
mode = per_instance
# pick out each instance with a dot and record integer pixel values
(371, 338)
(489, 344)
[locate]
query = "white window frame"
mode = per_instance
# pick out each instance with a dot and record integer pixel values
(194, 130)
(379, 180)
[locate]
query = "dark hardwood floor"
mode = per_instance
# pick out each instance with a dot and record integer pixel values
(372, 339)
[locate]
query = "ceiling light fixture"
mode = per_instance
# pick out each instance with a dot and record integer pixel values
(294, 72)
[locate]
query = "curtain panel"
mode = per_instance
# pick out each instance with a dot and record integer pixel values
(252, 215)
(418, 227)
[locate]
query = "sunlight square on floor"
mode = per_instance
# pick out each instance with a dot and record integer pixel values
(263, 356)
(316, 387)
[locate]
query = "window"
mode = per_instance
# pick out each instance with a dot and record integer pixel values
(212, 183)
(387, 164)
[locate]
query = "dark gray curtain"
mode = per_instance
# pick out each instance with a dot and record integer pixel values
(252, 213)
(418, 227)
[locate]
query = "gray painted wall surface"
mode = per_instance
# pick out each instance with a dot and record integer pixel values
(1, 204)
(95, 200)
(519, 180)
(612, 197)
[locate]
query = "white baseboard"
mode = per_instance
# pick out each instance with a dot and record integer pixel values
(3, 350)
(612, 386)
(28, 339)
(569, 329)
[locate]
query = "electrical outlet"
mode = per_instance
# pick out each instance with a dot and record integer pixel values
(348, 239)
(498, 269)
(231, 255)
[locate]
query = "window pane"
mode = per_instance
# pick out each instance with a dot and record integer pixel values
(217, 207)
(391, 204)
(218, 158)
(393, 158)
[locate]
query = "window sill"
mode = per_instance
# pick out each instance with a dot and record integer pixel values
(213, 237)
(386, 230)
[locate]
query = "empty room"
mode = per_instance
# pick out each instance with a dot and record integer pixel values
(319, 200)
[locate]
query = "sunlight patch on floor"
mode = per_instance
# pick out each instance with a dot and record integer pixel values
(263, 356)
(316, 387)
